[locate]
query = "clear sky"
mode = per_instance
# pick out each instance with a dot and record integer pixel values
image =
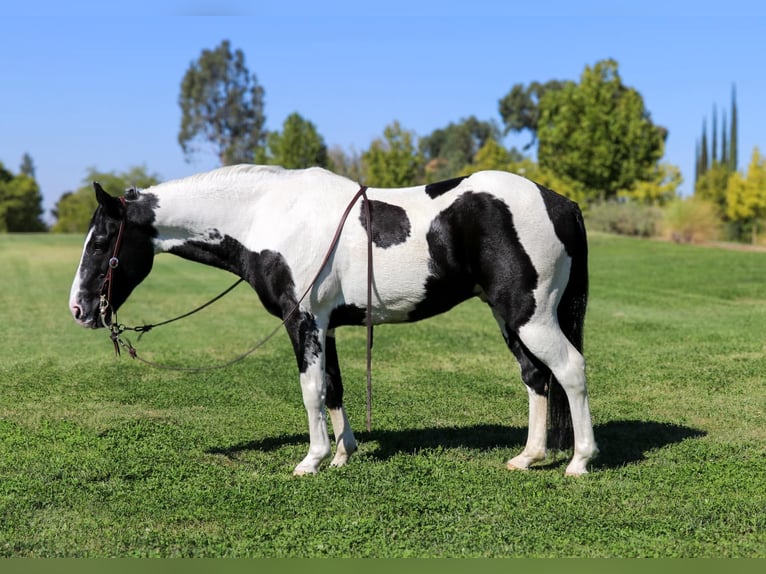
(96, 84)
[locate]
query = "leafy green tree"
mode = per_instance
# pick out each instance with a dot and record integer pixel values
(222, 105)
(659, 190)
(392, 161)
(746, 196)
(520, 108)
(491, 155)
(20, 203)
(74, 210)
(448, 150)
(299, 145)
(598, 133)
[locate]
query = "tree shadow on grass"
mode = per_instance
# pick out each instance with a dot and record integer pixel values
(620, 442)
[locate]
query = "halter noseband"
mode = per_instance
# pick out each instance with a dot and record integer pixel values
(105, 303)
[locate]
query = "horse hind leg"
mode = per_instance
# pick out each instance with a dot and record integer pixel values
(548, 344)
(344, 437)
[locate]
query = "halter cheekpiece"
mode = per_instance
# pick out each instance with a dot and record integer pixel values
(105, 301)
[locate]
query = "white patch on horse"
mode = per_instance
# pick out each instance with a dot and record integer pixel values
(74, 291)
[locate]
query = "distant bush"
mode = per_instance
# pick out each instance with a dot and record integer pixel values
(624, 218)
(691, 220)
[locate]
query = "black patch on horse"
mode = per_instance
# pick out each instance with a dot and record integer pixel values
(474, 243)
(434, 190)
(560, 210)
(347, 315)
(270, 275)
(390, 224)
(214, 235)
(141, 209)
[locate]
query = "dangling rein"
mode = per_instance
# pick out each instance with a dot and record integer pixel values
(116, 329)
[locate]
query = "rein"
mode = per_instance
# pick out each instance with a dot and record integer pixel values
(117, 329)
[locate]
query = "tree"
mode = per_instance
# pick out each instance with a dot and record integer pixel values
(448, 150)
(598, 133)
(661, 189)
(20, 203)
(298, 146)
(74, 210)
(714, 136)
(490, 156)
(746, 196)
(520, 108)
(27, 166)
(392, 161)
(711, 185)
(733, 159)
(705, 158)
(222, 105)
(348, 164)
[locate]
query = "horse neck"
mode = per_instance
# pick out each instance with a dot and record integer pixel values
(193, 212)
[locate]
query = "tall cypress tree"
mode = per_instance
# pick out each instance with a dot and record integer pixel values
(704, 164)
(696, 161)
(733, 135)
(724, 144)
(714, 136)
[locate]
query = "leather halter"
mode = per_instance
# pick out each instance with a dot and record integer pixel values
(105, 302)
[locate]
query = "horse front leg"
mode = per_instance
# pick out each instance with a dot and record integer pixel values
(344, 436)
(308, 341)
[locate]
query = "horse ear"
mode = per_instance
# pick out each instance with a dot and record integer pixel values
(111, 205)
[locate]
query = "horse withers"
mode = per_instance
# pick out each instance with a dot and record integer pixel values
(516, 245)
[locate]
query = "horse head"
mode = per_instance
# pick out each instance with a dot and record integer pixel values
(117, 255)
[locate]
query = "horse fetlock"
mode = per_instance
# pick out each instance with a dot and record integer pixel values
(340, 459)
(309, 465)
(579, 463)
(344, 452)
(524, 460)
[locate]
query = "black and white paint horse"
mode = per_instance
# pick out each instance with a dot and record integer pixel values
(518, 246)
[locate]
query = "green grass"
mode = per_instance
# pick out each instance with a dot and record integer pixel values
(107, 457)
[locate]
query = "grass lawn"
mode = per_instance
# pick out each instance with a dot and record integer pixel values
(108, 457)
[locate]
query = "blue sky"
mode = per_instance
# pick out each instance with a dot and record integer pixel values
(87, 84)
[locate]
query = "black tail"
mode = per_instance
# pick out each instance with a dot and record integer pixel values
(571, 316)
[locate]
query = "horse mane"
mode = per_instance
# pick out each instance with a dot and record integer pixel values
(257, 174)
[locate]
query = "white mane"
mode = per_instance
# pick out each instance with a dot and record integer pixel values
(255, 176)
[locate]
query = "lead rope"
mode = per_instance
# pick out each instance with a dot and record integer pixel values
(117, 329)
(368, 218)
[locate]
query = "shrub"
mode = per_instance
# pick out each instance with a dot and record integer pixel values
(624, 218)
(691, 220)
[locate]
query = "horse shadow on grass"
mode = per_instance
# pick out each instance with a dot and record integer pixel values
(621, 442)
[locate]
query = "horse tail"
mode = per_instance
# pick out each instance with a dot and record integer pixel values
(571, 317)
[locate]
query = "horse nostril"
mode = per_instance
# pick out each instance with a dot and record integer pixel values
(76, 311)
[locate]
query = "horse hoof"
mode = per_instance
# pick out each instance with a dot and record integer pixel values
(510, 466)
(339, 461)
(304, 471)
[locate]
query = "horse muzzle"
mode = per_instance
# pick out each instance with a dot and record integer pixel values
(92, 319)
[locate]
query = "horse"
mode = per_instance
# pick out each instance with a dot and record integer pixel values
(516, 245)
